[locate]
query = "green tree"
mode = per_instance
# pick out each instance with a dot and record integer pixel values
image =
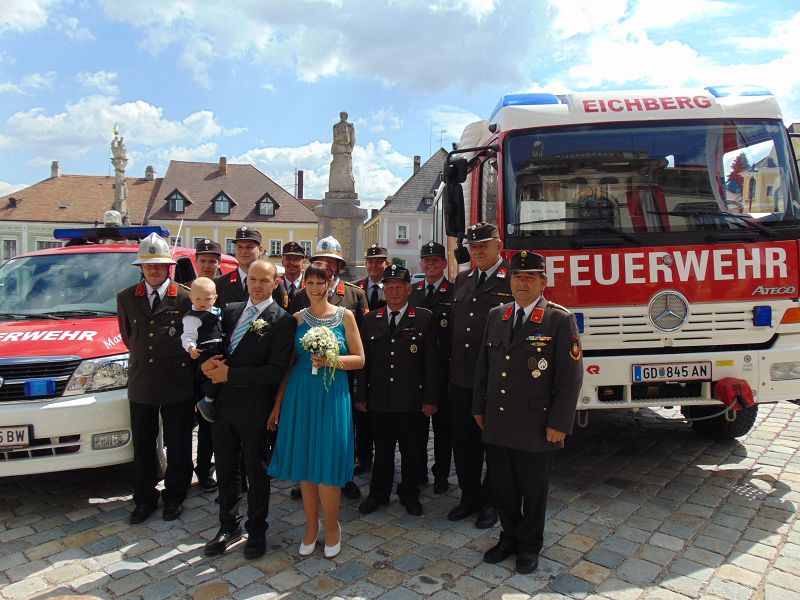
(735, 182)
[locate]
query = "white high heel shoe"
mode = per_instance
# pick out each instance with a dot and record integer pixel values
(307, 550)
(332, 551)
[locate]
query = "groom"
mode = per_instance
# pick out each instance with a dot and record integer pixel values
(259, 341)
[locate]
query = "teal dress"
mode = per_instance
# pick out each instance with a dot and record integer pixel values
(315, 428)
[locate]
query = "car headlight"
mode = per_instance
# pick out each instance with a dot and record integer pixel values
(99, 374)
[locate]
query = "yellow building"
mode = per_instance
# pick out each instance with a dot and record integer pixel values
(211, 200)
(759, 187)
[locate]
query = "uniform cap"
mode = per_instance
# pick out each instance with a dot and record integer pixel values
(329, 247)
(527, 262)
(480, 232)
(376, 251)
(396, 272)
(293, 248)
(208, 247)
(433, 249)
(154, 250)
(247, 233)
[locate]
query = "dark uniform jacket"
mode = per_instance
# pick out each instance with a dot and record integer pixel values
(530, 382)
(160, 371)
(470, 309)
(441, 305)
(281, 292)
(401, 369)
(256, 366)
(346, 294)
(230, 288)
(364, 285)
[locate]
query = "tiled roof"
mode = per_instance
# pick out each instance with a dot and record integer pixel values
(245, 185)
(76, 199)
(312, 204)
(409, 198)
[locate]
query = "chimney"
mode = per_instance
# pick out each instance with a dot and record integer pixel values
(223, 165)
(300, 184)
(373, 213)
(416, 164)
(149, 173)
(55, 169)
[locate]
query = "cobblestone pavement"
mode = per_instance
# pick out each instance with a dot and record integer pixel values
(640, 508)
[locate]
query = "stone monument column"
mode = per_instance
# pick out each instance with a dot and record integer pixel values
(339, 213)
(120, 160)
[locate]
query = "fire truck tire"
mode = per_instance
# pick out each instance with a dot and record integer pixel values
(718, 427)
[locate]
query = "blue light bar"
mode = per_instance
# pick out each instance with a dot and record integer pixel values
(96, 234)
(524, 100)
(762, 316)
(39, 387)
(579, 321)
(721, 91)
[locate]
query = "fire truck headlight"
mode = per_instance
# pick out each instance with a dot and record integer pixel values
(99, 374)
(762, 316)
(784, 370)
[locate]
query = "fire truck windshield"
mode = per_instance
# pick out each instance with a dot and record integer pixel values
(648, 181)
(64, 285)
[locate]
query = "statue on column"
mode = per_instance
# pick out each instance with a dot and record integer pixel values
(120, 160)
(344, 139)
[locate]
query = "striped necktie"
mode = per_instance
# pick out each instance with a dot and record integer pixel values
(238, 334)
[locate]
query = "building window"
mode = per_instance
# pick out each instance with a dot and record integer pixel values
(400, 262)
(275, 247)
(401, 233)
(769, 191)
(230, 246)
(266, 206)
(222, 204)
(9, 249)
(197, 240)
(306, 245)
(177, 203)
(175, 241)
(47, 244)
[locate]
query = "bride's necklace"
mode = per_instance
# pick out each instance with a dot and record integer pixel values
(317, 321)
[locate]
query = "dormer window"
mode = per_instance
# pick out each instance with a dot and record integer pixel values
(222, 204)
(177, 203)
(267, 206)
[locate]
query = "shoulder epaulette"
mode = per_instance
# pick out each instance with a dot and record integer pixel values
(184, 286)
(352, 285)
(558, 306)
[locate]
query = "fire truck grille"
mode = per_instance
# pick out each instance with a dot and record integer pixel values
(15, 372)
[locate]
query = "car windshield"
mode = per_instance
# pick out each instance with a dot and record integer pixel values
(650, 178)
(83, 284)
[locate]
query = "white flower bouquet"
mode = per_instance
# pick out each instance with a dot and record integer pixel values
(259, 326)
(320, 341)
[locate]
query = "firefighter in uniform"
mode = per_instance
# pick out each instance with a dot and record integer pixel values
(291, 282)
(208, 256)
(232, 287)
(399, 388)
(527, 383)
(376, 260)
(352, 297)
(436, 294)
(160, 380)
(477, 292)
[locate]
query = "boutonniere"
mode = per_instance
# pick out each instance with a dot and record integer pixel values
(259, 326)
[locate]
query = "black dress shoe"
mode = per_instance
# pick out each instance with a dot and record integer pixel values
(423, 479)
(360, 468)
(208, 483)
(527, 562)
(413, 507)
(172, 510)
(440, 485)
(351, 491)
(500, 552)
(140, 513)
(296, 494)
(486, 518)
(256, 545)
(370, 505)
(222, 540)
(462, 511)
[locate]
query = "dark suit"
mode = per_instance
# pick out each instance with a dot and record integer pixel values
(399, 376)
(364, 284)
(256, 368)
(160, 381)
(281, 292)
(441, 305)
(230, 288)
(523, 384)
(471, 305)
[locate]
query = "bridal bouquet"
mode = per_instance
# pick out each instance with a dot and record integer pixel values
(321, 341)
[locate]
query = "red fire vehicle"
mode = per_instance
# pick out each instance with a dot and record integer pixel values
(669, 220)
(63, 366)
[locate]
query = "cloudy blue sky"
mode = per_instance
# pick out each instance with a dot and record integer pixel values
(262, 81)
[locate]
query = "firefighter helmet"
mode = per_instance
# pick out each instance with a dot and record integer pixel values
(154, 250)
(329, 247)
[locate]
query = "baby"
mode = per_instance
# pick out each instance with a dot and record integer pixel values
(202, 334)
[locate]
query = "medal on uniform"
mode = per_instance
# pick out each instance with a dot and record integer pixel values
(536, 373)
(443, 322)
(413, 348)
(532, 362)
(172, 331)
(542, 364)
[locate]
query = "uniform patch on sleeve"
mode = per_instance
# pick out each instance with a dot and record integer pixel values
(575, 350)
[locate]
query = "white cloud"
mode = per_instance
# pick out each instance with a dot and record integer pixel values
(380, 120)
(22, 15)
(73, 30)
(100, 81)
(477, 9)
(9, 88)
(447, 123)
(7, 188)
(31, 81)
(160, 157)
(578, 17)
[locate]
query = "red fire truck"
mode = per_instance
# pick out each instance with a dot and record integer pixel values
(669, 220)
(63, 366)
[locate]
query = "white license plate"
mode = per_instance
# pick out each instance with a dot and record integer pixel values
(657, 372)
(15, 437)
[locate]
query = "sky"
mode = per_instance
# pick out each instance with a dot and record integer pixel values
(263, 81)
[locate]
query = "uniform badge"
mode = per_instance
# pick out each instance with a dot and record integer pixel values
(502, 272)
(413, 348)
(575, 351)
(172, 331)
(507, 314)
(537, 314)
(172, 290)
(536, 373)
(140, 290)
(443, 322)
(443, 287)
(532, 363)
(234, 276)
(542, 364)
(340, 289)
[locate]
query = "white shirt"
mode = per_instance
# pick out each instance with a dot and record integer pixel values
(435, 285)
(296, 283)
(243, 278)
(260, 307)
(190, 326)
(528, 310)
(162, 289)
(371, 284)
(399, 316)
(490, 271)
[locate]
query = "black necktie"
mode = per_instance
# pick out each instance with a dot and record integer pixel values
(482, 278)
(373, 297)
(291, 291)
(518, 322)
(429, 294)
(156, 301)
(244, 285)
(392, 322)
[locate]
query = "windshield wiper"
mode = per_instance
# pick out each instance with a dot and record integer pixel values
(599, 224)
(7, 316)
(770, 233)
(66, 314)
